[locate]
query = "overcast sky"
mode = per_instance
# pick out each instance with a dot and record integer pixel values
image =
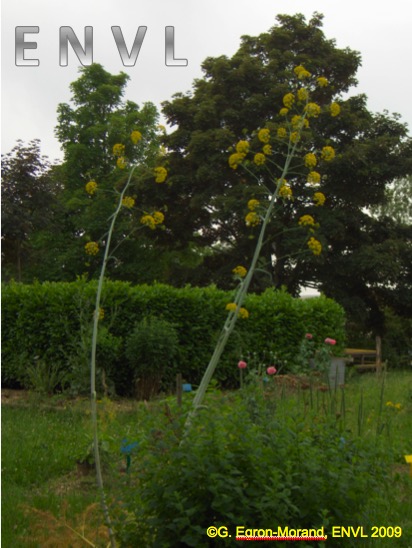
(380, 31)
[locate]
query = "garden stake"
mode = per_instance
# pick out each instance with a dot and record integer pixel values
(360, 413)
(379, 426)
(179, 389)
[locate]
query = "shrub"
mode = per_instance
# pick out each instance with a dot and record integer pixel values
(53, 321)
(241, 464)
(150, 350)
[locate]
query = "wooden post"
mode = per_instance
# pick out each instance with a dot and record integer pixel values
(378, 354)
(179, 389)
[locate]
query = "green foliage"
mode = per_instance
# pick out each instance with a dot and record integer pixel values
(42, 442)
(46, 447)
(45, 378)
(29, 209)
(365, 262)
(241, 463)
(151, 345)
(52, 321)
(151, 349)
(99, 119)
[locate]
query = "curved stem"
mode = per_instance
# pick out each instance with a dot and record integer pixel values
(93, 395)
(230, 322)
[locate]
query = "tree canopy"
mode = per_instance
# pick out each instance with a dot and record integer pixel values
(365, 228)
(29, 208)
(242, 94)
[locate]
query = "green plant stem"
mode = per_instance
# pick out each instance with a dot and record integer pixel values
(230, 322)
(93, 395)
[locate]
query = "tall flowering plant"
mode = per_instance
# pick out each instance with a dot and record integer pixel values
(152, 220)
(286, 136)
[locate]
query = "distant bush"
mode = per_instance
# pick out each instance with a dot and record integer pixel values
(53, 321)
(151, 349)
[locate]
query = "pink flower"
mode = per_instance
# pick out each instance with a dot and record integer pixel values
(309, 336)
(330, 341)
(271, 370)
(242, 365)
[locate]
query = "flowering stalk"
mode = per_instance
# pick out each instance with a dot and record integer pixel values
(93, 395)
(241, 293)
(282, 190)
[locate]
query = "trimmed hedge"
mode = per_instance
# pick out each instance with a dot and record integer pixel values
(52, 321)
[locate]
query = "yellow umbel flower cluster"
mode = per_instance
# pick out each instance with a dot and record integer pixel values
(298, 122)
(322, 81)
(118, 150)
(314, 178)
(310, 160)
(302, 94)
(301, 72)
(334, 109)
(312, 110)
(397, 406)
(235, 159)
(128, 202)
(282, 133)
(285, 191)
(135, 136)
(153, 220)
(267, 149)
(243, 313)
(161, 174)
(252, 219)
(148, 220)
(288, 100)
(306, 220)
(319, 198)
(158, 217)
(259, 159)
(121, 162)
(91, 187)
(253, 204)
(240, 271)
(92, 248)
(242, 147)
(315, 246)
(264, 135)
(328, 153)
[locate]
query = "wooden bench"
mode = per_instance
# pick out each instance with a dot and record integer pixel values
(367, 359)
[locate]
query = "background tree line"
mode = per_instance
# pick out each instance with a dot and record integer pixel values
(366, 228)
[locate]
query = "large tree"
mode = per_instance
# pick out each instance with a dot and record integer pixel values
(30, 209)
(241, 94)
(97, 119)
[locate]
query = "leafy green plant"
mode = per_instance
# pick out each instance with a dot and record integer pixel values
(45, 378)
(242, 464)
(150, 350)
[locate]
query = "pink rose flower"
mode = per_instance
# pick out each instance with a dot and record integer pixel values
(242, 364)
(271, 370)
(332, 342)
(309, 336)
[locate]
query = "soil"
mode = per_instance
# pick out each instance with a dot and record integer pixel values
(9, 396)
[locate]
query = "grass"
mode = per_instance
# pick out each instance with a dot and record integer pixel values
(43, 439)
